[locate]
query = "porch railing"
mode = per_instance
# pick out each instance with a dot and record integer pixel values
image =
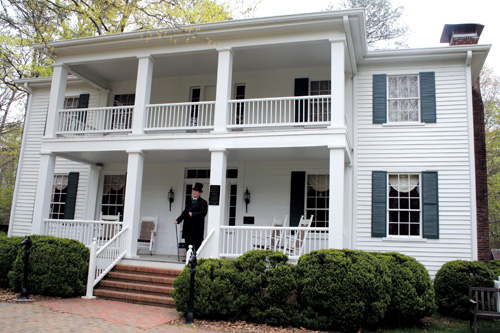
(103, 260)
(103, 120)
(83, 231)
(236, 240)
(280, 111)
(176, 116)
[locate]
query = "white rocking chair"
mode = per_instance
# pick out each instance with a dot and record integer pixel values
(147, 233)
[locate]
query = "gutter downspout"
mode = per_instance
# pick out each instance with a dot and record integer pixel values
(20, 159)
(472, 166)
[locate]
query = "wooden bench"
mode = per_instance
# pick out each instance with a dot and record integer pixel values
(483, 304)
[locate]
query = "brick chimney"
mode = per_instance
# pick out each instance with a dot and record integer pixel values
(461, 34)
(466, 34)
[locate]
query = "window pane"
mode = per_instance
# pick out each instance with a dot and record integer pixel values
(404, 229)
(414, 216)
(393, 93)
(393, 216)
(393, 229)
(415, 204)
(414, 229)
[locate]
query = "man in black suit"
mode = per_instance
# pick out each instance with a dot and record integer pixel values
(194, 218)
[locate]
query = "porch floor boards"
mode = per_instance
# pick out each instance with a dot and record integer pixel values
(139, 284)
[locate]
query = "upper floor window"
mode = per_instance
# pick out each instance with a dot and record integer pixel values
(321, 87)
(124, 100)
(403, 98)
(71, 103)
(407, 98)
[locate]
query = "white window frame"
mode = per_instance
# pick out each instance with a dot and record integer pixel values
(326, 209)
(101, 205)
(71, 102)
(58, 179)
(409, 209)
(389, 99)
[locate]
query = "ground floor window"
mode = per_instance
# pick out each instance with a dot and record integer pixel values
(113, 195)
(318, 199)
(404, 204)
(59, 194)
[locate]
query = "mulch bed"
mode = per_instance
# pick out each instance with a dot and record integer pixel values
(7, 295)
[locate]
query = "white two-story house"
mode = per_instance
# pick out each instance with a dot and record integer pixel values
(293, 113)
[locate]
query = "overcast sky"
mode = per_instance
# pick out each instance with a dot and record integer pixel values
(425, 18)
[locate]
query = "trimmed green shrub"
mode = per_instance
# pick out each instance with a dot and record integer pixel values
(411, 290)
(495, 268)
(9, 247)
(215, 289)
(342, 290)
(57, 267)
(266, 284)
(452, 285)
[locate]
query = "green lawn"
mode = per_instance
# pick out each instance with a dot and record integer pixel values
(437, 323)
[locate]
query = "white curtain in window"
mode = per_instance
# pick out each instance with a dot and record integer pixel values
(403, 183)
(113, 182)
(60, 182)
(319, 183)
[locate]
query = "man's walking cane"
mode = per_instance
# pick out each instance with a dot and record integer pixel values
(177, 238)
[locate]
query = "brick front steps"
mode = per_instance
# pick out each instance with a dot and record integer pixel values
(140, 285)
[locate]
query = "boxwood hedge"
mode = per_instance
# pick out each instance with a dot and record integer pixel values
(57, 267)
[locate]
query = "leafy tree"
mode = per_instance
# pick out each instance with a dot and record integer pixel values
(490, 90)
(382, 20)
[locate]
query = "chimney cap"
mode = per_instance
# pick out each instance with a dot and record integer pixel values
(463, 28)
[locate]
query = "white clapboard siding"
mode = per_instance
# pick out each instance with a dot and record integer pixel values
(442, 147)
(30, 161)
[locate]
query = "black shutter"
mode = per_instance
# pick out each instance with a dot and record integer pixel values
(379, 203)
(69, 207)
(301, 105)
(430, 204)
(297, 197)
(83, 101)
(379, 98)
(428, 97)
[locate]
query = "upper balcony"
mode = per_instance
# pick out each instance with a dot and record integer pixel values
(277, 112)
(241, 76)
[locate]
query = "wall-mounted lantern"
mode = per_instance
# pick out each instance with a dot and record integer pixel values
(170, 197)
(246, 198)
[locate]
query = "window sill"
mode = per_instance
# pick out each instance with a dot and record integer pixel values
(403, 124)
(405, 239)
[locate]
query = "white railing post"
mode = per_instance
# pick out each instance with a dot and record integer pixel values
(92, 267)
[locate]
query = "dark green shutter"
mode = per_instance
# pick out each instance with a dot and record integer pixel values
(301, 105)
(297, 197)
(379, 203)
(428, 97)
(430, 204)
(379, 98)
(83, 101)
(69, 207)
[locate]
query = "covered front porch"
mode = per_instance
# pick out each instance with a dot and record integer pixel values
(284, 184)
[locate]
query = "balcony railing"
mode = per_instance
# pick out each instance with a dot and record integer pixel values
(280, 111)
(113, 119)
(243, 113)
(178, 116)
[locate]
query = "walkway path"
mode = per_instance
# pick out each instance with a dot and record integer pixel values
(80, 315)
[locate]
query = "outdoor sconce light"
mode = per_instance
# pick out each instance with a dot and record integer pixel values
(246, 198)
(170, 197)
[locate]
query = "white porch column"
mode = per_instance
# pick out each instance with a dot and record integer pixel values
(223, 92)
(43, 193)
(336, 211)
(218, 169)
(56, 101)
(338, 81)
(142, 93)
(133, 194)
(92, 192)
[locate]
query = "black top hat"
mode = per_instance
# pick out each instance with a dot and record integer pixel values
(198, 187)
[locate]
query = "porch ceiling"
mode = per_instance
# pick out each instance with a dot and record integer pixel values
(278, 56)
(188, 156)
